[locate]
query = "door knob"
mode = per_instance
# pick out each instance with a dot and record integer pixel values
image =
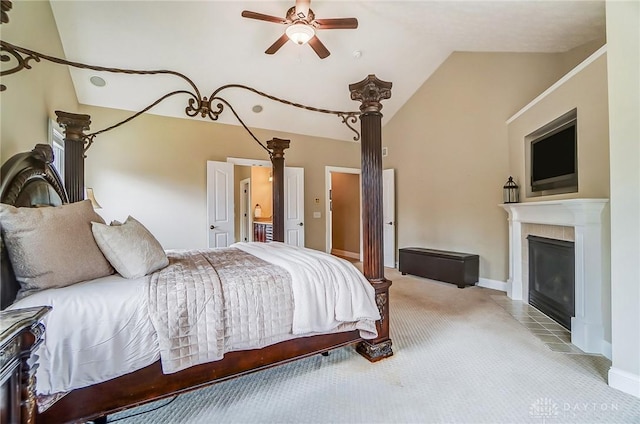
(301, 224)
(212, 227)
(390, 223)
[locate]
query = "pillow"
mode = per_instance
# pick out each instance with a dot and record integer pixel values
(53, 246)
(130, 247)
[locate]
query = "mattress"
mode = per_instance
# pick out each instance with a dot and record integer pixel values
(80, 350)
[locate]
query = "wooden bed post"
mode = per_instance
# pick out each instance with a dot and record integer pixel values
(277, 146)
(370, 91)
(74, 140)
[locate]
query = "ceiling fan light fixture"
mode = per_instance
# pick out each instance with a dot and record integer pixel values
(300, 33)
(301, 25)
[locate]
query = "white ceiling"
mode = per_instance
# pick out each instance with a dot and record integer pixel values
(400, 41)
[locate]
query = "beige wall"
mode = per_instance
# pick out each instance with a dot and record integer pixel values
(32, 95)
(575, 56)
(448, 144)
(261, 192)
(154, 168)
(345, 208)
(586, 91)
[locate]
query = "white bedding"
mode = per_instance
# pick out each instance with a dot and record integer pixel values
(327, 291)
(79, 350)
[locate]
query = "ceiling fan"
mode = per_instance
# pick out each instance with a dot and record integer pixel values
(301, 28)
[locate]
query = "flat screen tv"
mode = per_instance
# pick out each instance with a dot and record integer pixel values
(554, 160)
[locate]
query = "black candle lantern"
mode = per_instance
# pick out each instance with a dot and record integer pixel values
(511, 191)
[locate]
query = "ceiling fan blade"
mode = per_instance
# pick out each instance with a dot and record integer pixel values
(318, 47)
(302, 8)
(276, 46)
(262, 17)
(337, 23)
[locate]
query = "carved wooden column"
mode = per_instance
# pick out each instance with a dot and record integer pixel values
(370, 92)
(277, 147)
(74, 139)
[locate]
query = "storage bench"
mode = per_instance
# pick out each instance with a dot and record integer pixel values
(451, 267)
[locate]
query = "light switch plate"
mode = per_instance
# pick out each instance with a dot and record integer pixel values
(317, 215)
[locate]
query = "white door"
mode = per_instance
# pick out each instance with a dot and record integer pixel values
(294, 206)
(220, 214)
(389, 217)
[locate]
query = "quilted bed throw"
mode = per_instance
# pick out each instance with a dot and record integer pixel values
(209, 302)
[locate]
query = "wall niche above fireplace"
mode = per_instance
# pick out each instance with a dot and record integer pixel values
(551, 163)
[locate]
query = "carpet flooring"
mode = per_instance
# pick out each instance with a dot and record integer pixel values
(459, 357)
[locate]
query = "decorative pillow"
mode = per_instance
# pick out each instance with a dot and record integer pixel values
(130, 247)
(53, 246)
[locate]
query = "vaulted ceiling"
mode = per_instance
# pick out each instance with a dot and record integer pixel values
(399, 41)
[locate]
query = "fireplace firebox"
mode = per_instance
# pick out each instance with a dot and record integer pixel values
(552, 278)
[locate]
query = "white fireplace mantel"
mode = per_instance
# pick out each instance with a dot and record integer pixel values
(591, 260)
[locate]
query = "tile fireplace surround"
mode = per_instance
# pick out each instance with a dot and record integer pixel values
(590, 235)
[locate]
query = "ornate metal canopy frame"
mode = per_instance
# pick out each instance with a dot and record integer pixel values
(207, 107)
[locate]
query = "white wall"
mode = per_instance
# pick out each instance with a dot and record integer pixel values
(623, 35)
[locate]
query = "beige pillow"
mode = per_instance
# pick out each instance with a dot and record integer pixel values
(130, 247)
(53, 246)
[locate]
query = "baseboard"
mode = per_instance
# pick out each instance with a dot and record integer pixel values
(346, 254)
(492, 284)
(624, 381)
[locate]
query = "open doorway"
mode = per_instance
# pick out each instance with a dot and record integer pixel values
(255, 201)
(343, 213)
(261, 206)
(235, 189)
(339, 187)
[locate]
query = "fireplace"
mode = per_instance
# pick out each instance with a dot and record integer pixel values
(590, 223)
(552, 278)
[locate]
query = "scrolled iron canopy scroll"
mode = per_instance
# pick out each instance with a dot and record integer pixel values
(196, 104)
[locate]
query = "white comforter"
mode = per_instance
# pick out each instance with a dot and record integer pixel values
(327, 291)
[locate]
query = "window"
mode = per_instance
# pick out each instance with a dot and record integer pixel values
(56, 139)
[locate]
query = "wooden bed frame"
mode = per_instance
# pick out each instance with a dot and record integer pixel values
(26, 171)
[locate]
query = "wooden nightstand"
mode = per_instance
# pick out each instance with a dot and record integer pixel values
(20, 333)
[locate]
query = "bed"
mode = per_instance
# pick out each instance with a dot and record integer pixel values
(29, 180)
